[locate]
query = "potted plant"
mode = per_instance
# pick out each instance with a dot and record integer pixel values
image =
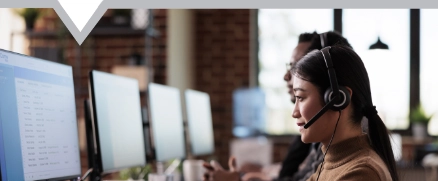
(30, 15)
(419, 121)
(136, 173)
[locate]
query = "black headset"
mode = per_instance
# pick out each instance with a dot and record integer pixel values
(335, 97)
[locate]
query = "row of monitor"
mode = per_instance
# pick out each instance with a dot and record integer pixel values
(39, 134)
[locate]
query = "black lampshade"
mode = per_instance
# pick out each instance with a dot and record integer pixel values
(379, 45)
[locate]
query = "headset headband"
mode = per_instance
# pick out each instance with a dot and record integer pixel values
(333, 83)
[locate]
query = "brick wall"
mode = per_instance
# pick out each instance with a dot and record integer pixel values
(159, 46)
(222, 65)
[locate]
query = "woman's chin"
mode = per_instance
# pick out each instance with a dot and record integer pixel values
(304, 139)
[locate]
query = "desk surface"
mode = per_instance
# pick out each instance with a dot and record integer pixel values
(409, 140)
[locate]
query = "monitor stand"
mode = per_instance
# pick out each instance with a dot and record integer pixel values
(94, 172)
(165, 175)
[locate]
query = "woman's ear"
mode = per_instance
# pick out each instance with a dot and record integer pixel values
(350, 91)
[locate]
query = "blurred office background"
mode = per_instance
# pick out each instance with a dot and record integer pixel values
(223, 51)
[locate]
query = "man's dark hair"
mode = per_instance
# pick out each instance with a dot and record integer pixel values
(333, 38)
(307, 37)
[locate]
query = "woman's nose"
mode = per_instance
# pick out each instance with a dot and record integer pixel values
(296, 112)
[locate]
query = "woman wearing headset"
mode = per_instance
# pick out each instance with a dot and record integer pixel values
(349, 154)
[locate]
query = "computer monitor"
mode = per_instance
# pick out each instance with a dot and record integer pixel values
(166, 122)
(117, 121)
(249, 112)
(199, 122)
(38, 125)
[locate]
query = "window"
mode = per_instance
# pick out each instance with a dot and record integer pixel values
(428, 65)
(11, 24)
(278, 35)
(388, 70)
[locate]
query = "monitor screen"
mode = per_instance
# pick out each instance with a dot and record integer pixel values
(117, 120)
(199, 122)
(167, 122)
(39, 135)
(249, 112)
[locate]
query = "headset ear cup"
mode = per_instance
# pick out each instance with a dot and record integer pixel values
(343, 101)
(327, 94)
(347, 96)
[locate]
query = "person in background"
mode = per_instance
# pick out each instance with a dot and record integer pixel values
(299, 153)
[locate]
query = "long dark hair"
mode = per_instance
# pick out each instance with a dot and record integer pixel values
(350, 72)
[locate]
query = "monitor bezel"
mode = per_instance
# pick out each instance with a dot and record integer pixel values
(67, 177)
(95, 124)
(190, 123)
(152, 124)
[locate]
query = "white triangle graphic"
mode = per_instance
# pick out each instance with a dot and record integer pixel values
(80, 11)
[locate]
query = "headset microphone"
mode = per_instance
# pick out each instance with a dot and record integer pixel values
(336, 97)
(321, 112)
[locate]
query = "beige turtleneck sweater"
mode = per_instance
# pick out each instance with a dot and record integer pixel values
(352, 159)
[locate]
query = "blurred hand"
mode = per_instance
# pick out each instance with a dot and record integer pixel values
(250, 167)
(215, 172)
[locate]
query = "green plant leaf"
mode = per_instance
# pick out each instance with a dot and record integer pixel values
(418, 115)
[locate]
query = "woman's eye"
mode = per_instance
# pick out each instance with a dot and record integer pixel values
(299, 98)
